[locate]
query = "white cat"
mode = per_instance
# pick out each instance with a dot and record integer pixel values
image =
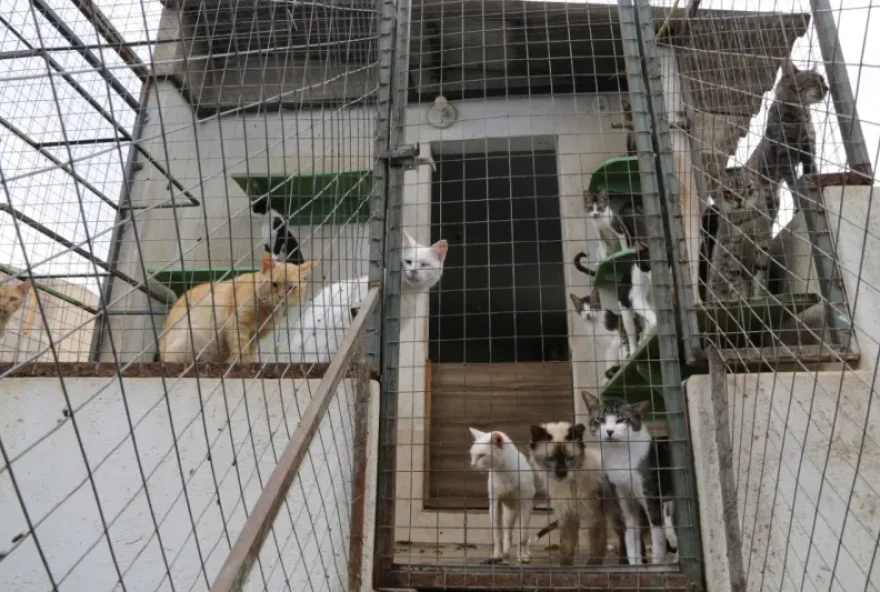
(511, 491)
(312, 332)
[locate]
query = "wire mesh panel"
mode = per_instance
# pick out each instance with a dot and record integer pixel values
(187, 200)
(774, 164)
(518, 386)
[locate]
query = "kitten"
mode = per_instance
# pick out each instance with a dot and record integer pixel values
(277, 238)
(12, 298)
(789, 138)
(740, 257)
(244, 308)
(629, 125)
(313, 333)
(511, 491)
(571, 474)
(630, 463)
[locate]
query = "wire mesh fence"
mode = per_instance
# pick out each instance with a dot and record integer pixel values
(610, 261)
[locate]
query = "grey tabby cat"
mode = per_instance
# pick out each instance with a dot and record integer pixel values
(740, 257)
(789, 139)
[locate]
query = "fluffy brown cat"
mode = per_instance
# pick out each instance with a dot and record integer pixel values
(12, 298)
(276, 286)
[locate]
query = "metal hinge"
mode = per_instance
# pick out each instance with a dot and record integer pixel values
(407, 156)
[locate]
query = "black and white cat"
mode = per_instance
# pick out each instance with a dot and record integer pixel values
(635, 296)
(631, 464)
(619, 348)
(276, 236)
(612, 231)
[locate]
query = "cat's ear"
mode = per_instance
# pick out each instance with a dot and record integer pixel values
(408, 241)
(266, 262)
(788, 67)
(576, 301)
(305, 268)
(640, 408)
(576, 433)
(440, 248)
(24, 286)
(497, 440)
(539, 434)
(477, 434)
(590, 400)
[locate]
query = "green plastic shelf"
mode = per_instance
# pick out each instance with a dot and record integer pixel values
(618, 175)
(342, 196)
(752, 316)
(179, 281)
(612, 270)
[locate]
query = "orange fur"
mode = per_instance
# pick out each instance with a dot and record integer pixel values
(31, 311)
(225, 320)
(11, 300)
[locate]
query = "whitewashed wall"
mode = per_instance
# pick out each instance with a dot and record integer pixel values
(203, 155)
(246, 424)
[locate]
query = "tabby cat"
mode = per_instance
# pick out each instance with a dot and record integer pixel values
(789, 139)
(740, 257)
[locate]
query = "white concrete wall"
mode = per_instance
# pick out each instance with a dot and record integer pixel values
(203, 154)
(241, 425)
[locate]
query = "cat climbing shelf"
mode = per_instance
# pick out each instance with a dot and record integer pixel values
(335, 197)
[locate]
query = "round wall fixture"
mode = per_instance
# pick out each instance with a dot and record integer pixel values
(442, 114)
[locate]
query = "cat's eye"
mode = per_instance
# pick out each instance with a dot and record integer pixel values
(408, 261)
(275, 285)
(424, 264)
(620, 421)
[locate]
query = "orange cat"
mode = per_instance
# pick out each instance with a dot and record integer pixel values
(11, 299)
(276, 286)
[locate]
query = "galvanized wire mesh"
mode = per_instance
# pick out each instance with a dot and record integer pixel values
(143, 145)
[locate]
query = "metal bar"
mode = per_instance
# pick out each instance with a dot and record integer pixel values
(668, 181)
(635, 24)
(61, 143)
(247, 546)
(57, 162)
(392, 101)
(164, 295)
(854, 144)
(93, 60)
(113, 37)
(825, 258)
(75, 85)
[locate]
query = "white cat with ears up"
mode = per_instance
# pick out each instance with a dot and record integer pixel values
(511, 491)
(313, 331)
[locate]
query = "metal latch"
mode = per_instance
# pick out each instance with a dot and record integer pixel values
(407, 156)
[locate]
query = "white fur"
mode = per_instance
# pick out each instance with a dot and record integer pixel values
(312, 332)
(642, 298)
(511, 490)
(623, 449)
(611, 240)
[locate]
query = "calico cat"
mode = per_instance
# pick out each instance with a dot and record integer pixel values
(12, 298)
(740, 257)
(571, 474)
(313, 333)
(630, 463)
(277, 238)
(511, 491)
(789, 138)
(227, 318)
(629, 125)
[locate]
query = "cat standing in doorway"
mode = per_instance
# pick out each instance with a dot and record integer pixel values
(511, 491)
(571, 473)
(630, 464)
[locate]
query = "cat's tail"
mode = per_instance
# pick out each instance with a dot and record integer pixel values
(545, 531)
(581, 267)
